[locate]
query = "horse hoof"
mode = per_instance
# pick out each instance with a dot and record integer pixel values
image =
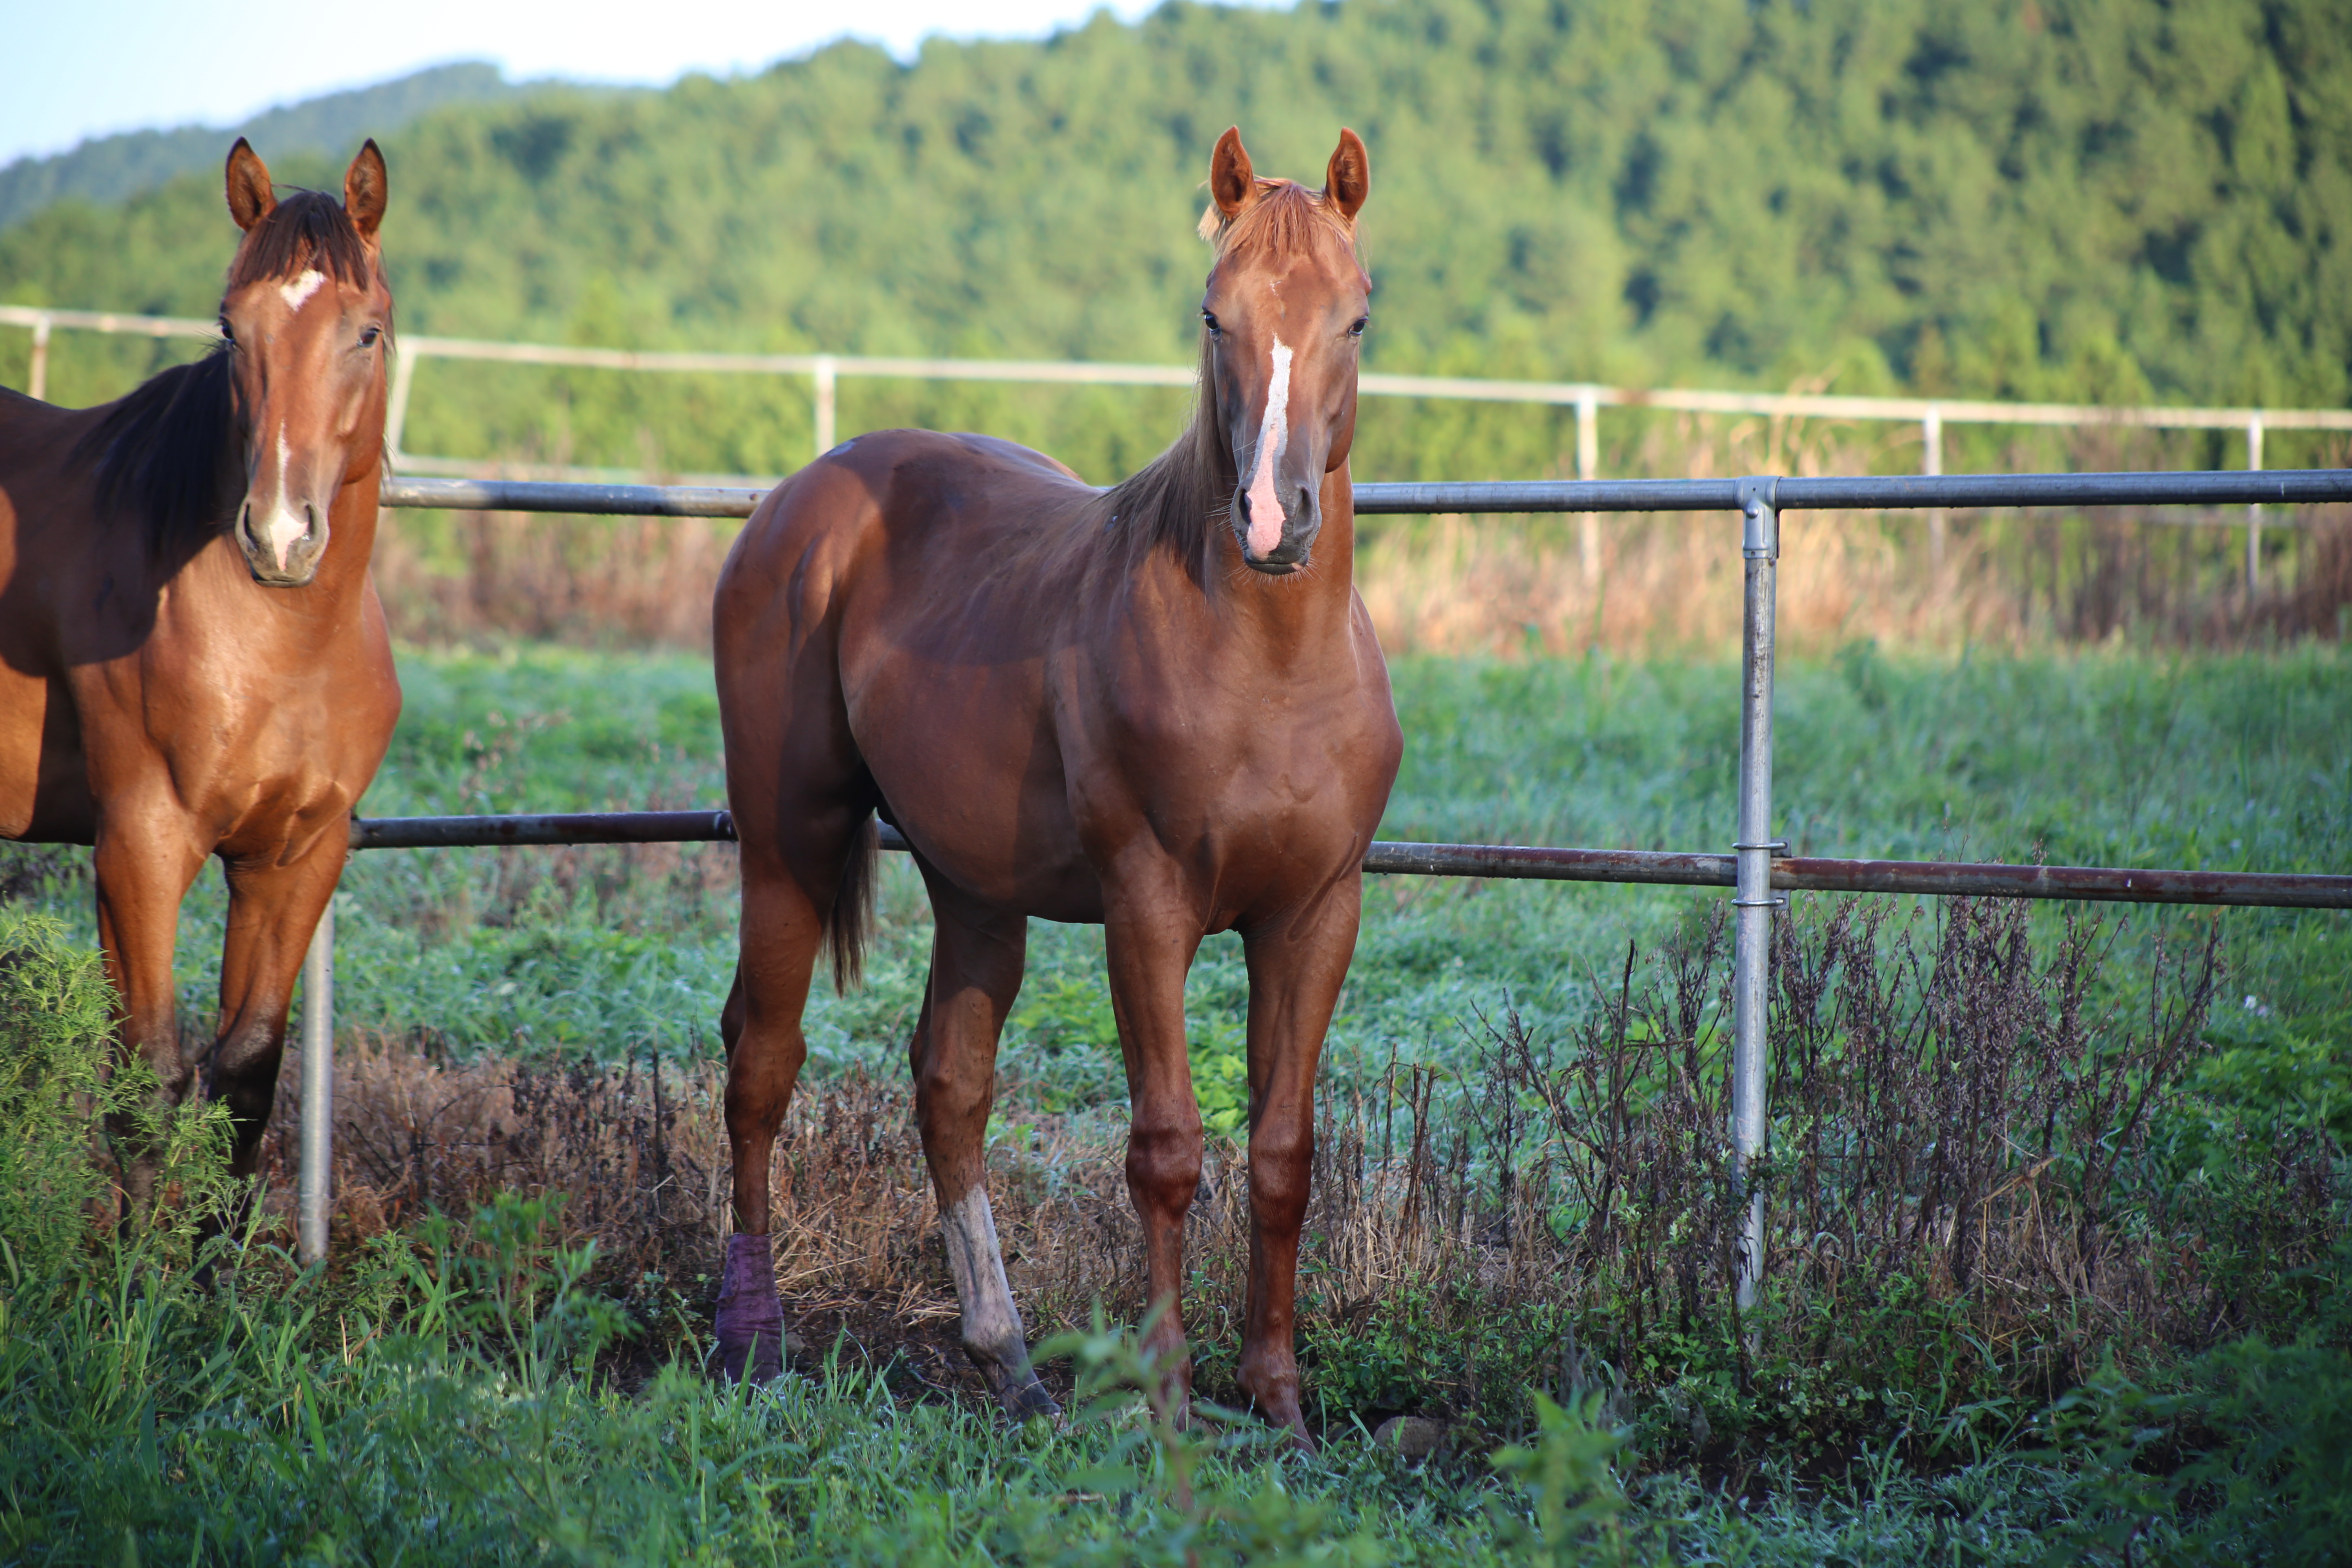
(753, 1355)
(1026, 1400)
(1284, 1416)
(749, 1351)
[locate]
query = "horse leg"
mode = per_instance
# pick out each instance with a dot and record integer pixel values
(784, 904)
(273, 909)
(976, 959)
(142, 864)
(1297, 966)
(1149, 942)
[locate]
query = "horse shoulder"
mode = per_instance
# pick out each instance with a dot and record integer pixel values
(59, 573)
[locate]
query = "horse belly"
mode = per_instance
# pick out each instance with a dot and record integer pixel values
(969, 771)
(994, 866)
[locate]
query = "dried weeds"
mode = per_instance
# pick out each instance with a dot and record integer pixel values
(1956, 1121)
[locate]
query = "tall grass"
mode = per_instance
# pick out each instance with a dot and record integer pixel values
(443, 1393)
(464, 1390)
(1521, 1181)
(1983, 1165)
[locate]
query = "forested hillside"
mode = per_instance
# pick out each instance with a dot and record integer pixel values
(2103, 199)
(108, 169)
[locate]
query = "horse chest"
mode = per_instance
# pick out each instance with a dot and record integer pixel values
(237, 735)
(1237, 764)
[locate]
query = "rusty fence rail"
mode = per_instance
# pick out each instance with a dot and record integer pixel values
(1525, 862)
(1758, 870)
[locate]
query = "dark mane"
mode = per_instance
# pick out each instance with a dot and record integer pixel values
(1179, 498)
(163, 455)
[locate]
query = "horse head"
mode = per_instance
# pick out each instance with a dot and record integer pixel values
(1285, 308)
(308, 317)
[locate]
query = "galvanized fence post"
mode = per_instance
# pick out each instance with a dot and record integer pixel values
(312, 1187)
(1759, 544)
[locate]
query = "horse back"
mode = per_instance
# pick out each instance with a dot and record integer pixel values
(881, 632)
(950, 626)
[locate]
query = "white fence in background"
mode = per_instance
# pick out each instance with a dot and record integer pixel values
(1588, 398)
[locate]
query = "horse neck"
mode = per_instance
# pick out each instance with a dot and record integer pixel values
(1301, 615)
(350, 547)
(351, 517)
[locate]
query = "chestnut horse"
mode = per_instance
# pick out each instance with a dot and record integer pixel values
(192, 658)
(1158, 707)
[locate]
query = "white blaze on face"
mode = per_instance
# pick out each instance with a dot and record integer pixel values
(282, 529)
(297, 291)
(1266, 513)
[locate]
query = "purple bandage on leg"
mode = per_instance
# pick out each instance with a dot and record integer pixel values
(751, 1318)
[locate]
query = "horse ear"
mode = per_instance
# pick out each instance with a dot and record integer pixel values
(364, 190)
(250, 199)
(1349, 180)
(1233, 184)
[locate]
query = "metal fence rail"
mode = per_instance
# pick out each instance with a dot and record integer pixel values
(2224, 487)
(1758, 868)
(1395, 857)
(825, 371)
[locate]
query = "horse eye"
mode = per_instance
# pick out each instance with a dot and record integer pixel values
(1209, 319)
(226, 336)
(1355, 328)
(368, 338)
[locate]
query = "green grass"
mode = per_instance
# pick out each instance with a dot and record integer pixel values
(2221, 761)
(150, 1419)
(156, 1423)
(439, 1397)
(2236, 762)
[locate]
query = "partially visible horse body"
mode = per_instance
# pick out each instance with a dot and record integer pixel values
(1158, 707)
(192, 658)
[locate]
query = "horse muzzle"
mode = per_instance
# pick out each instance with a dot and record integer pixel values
(1280, 545)
(283, 542)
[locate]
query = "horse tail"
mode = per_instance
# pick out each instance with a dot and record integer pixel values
(851, 919)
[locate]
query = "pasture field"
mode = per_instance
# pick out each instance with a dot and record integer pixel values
(2120, 1325)
(2219, 762)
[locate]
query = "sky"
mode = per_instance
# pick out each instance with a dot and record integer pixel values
(91, 67)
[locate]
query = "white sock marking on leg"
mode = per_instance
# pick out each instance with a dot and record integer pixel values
(992, 1324)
